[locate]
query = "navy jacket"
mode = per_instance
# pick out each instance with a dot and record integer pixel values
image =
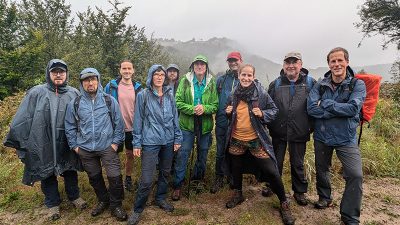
(337, 115)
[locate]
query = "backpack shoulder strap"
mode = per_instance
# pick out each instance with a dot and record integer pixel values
(107, 98)
(352, 84)
(278, 82)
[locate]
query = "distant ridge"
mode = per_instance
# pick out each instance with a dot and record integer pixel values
(216, 49)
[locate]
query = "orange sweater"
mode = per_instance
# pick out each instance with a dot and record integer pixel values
(244, 130)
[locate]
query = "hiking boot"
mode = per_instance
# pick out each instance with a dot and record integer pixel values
(54, 213)
(99, 209)
(164, 205)
(287, 217)
(300, 198)
(79, 203)
(128, 184)
(119, 213)
(217, 185)
(323, 204)
(134, 218)
(267, 192)
(176, 194)
(235, 200)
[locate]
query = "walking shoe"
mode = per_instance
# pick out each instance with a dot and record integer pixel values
(134, 218)
(323, 204)
(176, 194)
(300, 198)
(128, 184)
(99, 209)
(267, 192)
(235, 200)
(164, 205)
(79, 203)
(119, 213)
(287, 217)
(217, 185)
(54, 213)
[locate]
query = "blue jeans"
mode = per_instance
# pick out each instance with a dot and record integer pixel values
(184, 154)
(350, 158)
(50, 188)
(152, 155)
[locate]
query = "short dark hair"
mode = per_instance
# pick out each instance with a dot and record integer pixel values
(126, 60)
(338, 49)
(248, 65)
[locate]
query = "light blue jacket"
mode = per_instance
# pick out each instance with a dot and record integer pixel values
(337, 115)
(155, 122)
(96, 129)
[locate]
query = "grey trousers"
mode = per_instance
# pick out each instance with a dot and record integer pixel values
(350, 158)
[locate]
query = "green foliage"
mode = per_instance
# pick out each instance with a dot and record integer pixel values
(381, 17)
(33, 32)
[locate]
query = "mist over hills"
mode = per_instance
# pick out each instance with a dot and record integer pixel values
(216, 50)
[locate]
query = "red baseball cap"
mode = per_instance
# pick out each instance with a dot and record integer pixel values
(234, 55)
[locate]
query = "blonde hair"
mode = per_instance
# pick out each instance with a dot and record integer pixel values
(247, 65)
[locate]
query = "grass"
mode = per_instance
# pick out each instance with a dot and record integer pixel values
(379, 148)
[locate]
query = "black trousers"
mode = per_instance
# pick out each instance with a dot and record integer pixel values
(297, 151)
(267, 167)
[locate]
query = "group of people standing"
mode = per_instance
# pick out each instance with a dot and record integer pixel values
(59, 130)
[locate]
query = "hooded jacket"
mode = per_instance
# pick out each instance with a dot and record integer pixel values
(156, 118)
(37, 130)
(337, 115)
(96, 131)
(174, 66)
(185, 98)
(292, 122)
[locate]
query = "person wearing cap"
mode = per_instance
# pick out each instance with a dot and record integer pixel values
(225, 85)
(94, 128)
(173, 77)
(292, 128)
(125, 90)
(335, 106)
(37, 133)
(155, 144)
(197, 101)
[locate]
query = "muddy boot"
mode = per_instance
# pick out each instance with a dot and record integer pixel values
(102, 195)
(236, 199)
(217, 185)
(287, 217)
(54, 213)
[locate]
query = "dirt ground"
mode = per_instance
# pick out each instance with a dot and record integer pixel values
(381, 206)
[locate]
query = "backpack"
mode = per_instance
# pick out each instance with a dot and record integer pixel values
(107, 98)
(368, 109)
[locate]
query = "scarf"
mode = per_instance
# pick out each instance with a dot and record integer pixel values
(245, 93)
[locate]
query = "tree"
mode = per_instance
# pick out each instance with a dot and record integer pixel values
(8, 26)
(381, 17)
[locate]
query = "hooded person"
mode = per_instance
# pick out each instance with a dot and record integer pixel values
(156, 136)
(173, 77)
(94, 128)
(37, 133)
(196, 99)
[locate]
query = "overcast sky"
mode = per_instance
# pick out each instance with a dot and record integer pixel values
(267, 28)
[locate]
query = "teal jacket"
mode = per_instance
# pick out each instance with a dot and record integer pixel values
(184, 102)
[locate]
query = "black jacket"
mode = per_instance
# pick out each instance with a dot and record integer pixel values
(292, 122)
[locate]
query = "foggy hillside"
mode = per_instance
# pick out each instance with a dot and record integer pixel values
(216, 49)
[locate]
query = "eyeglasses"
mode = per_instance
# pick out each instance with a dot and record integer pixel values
(56, 73)
(293, 61)
(90, 79)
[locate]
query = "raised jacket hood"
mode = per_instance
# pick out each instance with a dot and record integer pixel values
(88, 72)
(152, 70)
(59, 88)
